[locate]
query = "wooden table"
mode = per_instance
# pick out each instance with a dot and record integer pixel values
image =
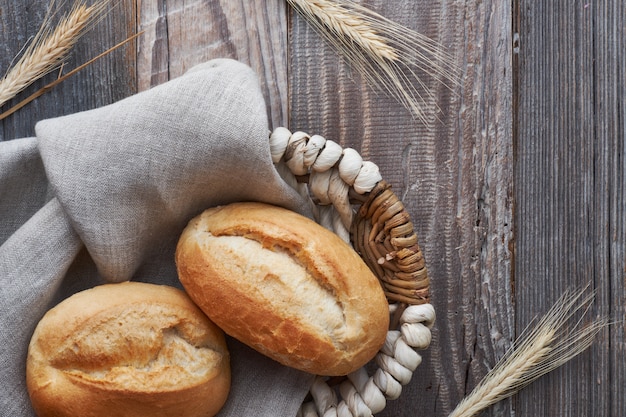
(517, 193)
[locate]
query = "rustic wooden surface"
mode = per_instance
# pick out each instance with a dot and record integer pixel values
(570, 189)
(517, 192)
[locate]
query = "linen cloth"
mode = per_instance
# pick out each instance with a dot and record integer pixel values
(103, 195)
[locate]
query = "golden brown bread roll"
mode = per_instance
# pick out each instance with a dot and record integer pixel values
(128, 350)
(285, 286)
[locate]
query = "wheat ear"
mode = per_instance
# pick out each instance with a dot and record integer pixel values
(62, 78)
(549, 344)
(388, 55)
(49, 48)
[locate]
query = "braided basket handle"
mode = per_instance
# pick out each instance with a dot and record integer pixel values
(334, 180)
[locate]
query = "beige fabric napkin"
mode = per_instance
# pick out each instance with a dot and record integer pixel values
(103, 195)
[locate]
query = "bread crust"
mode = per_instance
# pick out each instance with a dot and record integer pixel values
(128, 349)
(284, 285)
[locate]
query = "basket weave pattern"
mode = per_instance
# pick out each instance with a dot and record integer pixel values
(380, 230)
(383, 234)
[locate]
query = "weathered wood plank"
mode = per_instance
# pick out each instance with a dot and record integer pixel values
(180, 34)
(455, 179)
(103, 82)
(570, 190)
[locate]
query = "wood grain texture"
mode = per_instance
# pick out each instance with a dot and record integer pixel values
(180, 34)
(105, 81)
(570, 190)
(454, 176)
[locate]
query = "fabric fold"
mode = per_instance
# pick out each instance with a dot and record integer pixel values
(33, 263)
(131, 174)
(23, 184)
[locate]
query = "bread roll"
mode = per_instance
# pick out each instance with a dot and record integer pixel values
(127, 350)
(285, 286)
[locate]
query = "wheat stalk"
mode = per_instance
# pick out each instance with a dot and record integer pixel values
(49, 48)
(65, 76)
(550, 344)
(388, 55)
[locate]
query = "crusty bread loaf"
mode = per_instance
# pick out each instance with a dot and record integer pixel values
(127, 350)
(285, 286)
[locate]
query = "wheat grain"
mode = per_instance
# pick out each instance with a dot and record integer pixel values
(346, 25)
(49, 48)
(549, 344)
(62, 78)
(388, 55)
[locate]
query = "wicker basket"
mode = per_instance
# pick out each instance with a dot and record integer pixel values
(349, 196)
